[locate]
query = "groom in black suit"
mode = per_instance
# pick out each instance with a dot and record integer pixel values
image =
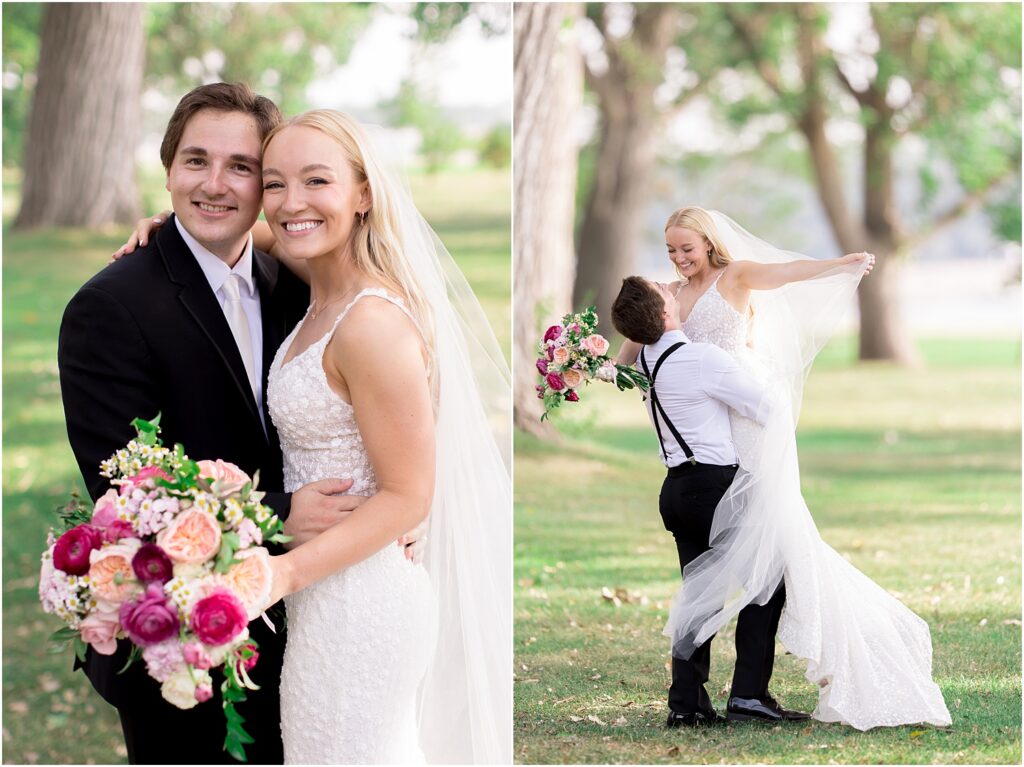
(693, 386)
(187, 327)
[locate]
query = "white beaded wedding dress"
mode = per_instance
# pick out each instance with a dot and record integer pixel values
(869, 654)
(360, 640)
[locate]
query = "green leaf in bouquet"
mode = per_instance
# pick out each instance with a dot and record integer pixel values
(133, 656)
(148, 430)
(75, 512)
(256, 479)
(246, 491)
(80, 648)
(229, 543)
(280, 538)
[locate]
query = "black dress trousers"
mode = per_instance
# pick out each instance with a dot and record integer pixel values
(689, 496)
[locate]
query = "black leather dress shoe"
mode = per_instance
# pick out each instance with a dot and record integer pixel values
(693, 719)
(765, 709)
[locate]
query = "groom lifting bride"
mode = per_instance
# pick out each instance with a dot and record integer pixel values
(693, 385)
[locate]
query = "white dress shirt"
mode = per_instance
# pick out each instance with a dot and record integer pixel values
(696, 386)
(216, 272)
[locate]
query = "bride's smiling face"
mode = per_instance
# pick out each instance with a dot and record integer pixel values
(688, 250)
(311, 196)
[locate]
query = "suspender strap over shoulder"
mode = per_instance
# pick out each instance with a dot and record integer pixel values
(657, 406)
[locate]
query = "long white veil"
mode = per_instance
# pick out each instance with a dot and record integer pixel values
(869, 655)
(762, 525)
(465, 709)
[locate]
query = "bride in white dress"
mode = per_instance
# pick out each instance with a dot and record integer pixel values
(773, 311)
(387, 661)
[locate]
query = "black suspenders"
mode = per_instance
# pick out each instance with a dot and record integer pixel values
(657, 407)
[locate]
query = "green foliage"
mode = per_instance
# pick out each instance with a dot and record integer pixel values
(20, 57)
(278, 48)
(436, 22)
(440, 137)
(496, 147)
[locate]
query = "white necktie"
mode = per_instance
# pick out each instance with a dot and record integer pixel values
(239, 324)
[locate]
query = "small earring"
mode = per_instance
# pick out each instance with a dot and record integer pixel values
(362, 217)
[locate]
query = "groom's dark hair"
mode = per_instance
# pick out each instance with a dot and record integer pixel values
(224, 97)
(638, 311)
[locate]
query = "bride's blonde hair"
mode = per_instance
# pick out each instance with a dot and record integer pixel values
(377, 248)
(699, 220)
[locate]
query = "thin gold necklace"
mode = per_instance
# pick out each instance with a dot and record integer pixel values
(314, 312)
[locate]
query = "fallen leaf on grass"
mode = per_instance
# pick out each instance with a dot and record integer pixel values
(609, 596)
(596, 720)
(19, 707)
(917, 733)
(620, 721)
(674, 751)
(575, 718)
(1011, 622)
(49, 683)
(595, 677)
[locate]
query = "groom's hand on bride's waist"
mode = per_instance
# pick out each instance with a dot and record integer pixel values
(318, 506)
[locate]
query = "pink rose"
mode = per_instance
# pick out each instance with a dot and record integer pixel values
(607, 372)
(105, 510)
(555, 381)
(572, 396)
(574, 327)
(72, 551)
(150, 619)
(573, 378)
(144, 478)
(218, 618)
(560, 356)
(204, 691)
(595, 344)
(553, 332)
(117, 530)
(196, 656)
(251, 580)
(100, 628)
(192, 538)
(111, 573)
(230, 478)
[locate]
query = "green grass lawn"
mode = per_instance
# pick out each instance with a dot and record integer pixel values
(915, 476)
(51, 715)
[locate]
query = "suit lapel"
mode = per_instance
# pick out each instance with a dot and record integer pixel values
(201, 303)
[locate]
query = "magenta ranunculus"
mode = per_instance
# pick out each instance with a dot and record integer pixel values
(555, 382)
(218, 618)
(540, 390)
(151, 618)
(152, 565)
(542, 366)
(555, 331)
(117, 530)
(572, 396)
(71, 552)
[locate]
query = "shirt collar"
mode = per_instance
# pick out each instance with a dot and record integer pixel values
(670, 337)
(215, 270)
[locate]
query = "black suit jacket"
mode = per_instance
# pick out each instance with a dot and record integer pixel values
(145, 336)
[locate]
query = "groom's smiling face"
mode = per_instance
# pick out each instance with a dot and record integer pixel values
(214, 180)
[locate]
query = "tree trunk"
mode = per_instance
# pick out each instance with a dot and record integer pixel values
(548, 91)
(883, 334)
(613, 221)
(79, 167)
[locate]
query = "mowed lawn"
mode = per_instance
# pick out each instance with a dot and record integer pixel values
(51, 715)
(914, 475)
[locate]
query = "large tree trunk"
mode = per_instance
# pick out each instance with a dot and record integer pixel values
(883, 334)
(612, 225)
(79, 167)
(548, 92)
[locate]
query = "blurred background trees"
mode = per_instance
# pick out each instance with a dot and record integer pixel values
(826, 129)
(85, 84)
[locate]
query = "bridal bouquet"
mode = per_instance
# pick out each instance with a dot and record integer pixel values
(171, 559)
(572, 354)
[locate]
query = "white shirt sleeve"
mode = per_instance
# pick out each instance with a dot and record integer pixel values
(723, 379)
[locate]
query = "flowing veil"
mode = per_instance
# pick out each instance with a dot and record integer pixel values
(465, 710)
(860, 643)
